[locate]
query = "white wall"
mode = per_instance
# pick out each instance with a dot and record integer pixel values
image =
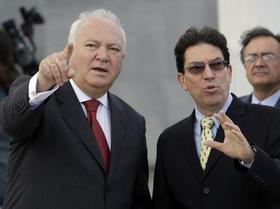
(237, 16)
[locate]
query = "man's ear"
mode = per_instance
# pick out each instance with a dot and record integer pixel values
(182, 80)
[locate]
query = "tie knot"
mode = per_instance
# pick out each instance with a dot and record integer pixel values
(207, 122)
(91, 105)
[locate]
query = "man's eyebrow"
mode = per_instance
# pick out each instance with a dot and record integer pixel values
(212, 60)
(251, 54)
(216, 59)
(113, 44)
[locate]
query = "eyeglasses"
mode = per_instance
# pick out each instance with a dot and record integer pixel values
(267, 57)
(199, 67)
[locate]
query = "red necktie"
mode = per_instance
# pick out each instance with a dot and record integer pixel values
(91, 106)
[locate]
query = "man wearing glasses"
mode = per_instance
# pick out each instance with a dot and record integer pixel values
(260, 55)
(226, 154)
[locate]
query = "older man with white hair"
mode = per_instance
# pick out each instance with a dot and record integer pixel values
(76, 145)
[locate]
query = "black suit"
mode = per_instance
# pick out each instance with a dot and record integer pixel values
(55, 162)
(248, 99)
(180, 182)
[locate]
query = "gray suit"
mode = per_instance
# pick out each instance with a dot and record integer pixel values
(248, 99)
(55, 161)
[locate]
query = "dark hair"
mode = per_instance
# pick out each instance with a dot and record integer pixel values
(249, 35)
(193, 36)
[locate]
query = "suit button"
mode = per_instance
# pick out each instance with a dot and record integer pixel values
(206, 190)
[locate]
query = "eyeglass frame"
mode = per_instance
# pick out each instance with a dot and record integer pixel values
(202, 65)
(265, 56)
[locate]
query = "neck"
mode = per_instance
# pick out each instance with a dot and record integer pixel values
(263, 93)
(96, 93)
(209, 111)
(92, 91)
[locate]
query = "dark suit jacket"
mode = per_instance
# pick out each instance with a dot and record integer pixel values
(180, 182)
(248, 99)
(55, 162)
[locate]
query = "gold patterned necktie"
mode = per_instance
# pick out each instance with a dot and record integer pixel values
(206, 134)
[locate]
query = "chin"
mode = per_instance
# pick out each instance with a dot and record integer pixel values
(100, 84)
(214, 102)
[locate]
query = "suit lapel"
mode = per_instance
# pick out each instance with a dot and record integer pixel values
(187, 146)
(248, 98)
(235, 112)
(73, 115)
(278, 103)
(119, 121)
(214, 154)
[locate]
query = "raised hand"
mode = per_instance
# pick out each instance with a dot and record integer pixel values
(235, 144)
(54, 69)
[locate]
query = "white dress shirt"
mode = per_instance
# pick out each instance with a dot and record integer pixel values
(103, 112)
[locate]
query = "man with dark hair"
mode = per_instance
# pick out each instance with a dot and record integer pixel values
(222, 156)
(260, 55)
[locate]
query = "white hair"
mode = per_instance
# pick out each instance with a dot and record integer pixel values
(106, 14)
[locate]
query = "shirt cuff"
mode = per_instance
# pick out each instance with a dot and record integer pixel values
(35, 99)
(249, 164)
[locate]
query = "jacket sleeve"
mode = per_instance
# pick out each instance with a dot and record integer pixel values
(141, 196)
(162, 197)
(265, 171)
(16, 116)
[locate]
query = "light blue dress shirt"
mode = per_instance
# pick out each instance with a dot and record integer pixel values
(269, 101)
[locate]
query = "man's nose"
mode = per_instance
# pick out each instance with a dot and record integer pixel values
(102, 54)
(259, 61)
(208, 73)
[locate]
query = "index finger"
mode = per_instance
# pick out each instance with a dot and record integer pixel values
(222, 117)
(227, 118)
(67, 51)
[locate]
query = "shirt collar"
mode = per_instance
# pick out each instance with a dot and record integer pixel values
(82, 97)
(269, 101)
